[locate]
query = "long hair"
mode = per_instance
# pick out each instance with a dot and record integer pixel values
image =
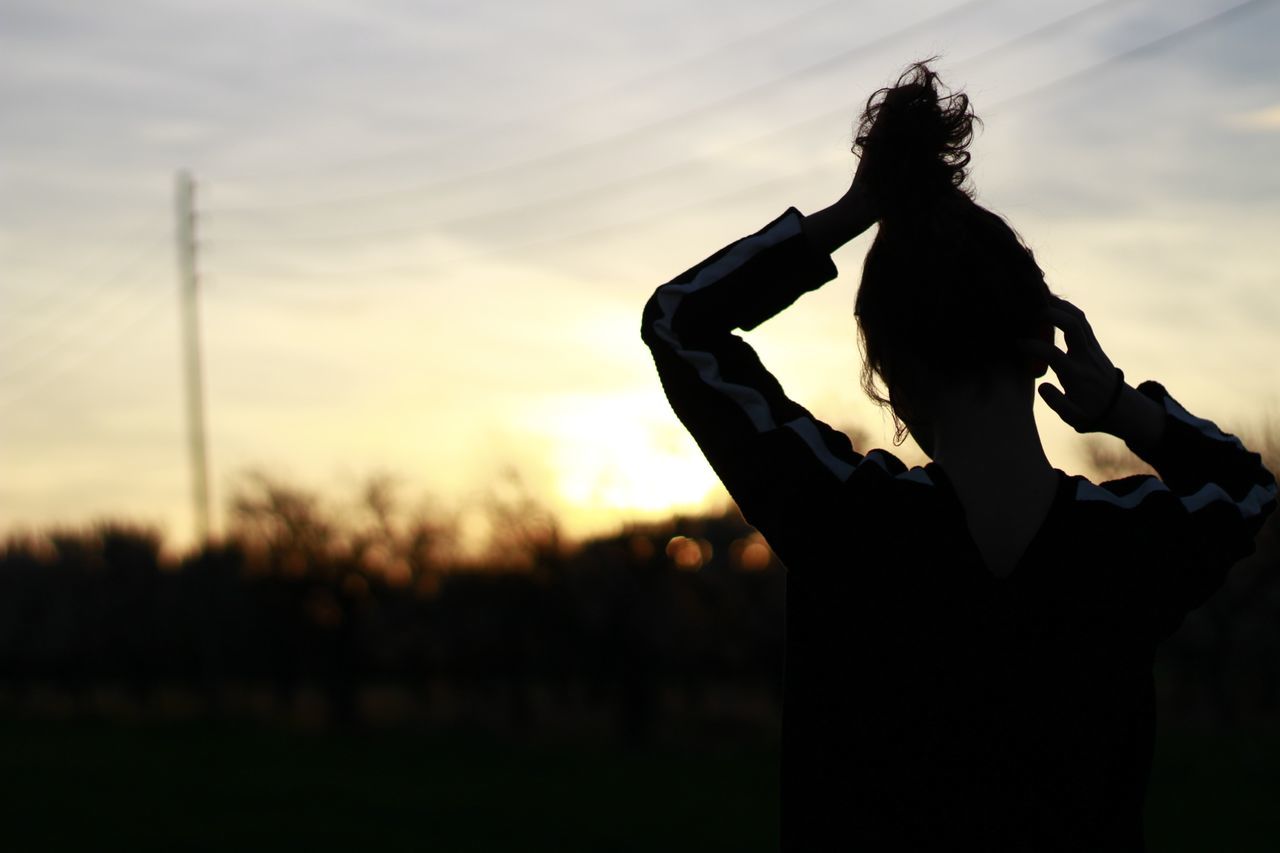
(947, 285)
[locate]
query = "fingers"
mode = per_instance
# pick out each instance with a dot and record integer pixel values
(1072, 309)
(1084, 370)
(1076, 330)
(1056, 400)
(1074, 326)
(1037, 349)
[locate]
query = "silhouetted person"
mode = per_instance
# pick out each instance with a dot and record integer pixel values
(969, 642)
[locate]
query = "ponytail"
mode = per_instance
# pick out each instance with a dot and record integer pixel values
(947, 285)
(913, 139)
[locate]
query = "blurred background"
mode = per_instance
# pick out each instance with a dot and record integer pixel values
(340, 501)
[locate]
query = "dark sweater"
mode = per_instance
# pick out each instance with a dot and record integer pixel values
(929, 704)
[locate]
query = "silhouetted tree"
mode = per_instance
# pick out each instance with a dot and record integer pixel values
(523, 532)
(306, 593)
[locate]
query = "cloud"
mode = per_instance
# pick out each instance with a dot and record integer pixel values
(1135, 184)
(1265, 119)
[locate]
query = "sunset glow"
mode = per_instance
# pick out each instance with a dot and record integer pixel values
(426, 237)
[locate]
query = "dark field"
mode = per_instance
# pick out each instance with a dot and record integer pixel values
(278, 698)
(190, 786)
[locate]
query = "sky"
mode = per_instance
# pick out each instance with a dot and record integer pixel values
(426, 230)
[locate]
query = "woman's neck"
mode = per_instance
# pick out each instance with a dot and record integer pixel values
(990, 441)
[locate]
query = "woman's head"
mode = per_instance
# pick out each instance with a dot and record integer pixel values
(947, 286)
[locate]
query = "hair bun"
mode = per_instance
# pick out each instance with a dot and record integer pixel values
(912, 139)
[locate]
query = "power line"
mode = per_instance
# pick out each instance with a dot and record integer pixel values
(49, 295)
(670, 170)
(1163, 41)
(631, 83)
(1147, 47)
(753, 190)
(574, 152)
(1052, 28)
(53, 370)
(87, 322)
(64, 302)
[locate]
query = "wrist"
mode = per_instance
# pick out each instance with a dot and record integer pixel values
(837, 224)
(1136, 419)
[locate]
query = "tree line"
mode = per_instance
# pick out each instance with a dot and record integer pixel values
(628, 633)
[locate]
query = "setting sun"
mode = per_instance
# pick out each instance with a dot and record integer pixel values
(620, 455)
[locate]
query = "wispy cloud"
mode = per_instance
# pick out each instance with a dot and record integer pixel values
(1264, 119)
(395, 151)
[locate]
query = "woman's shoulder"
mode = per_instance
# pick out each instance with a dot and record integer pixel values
(1132, 492)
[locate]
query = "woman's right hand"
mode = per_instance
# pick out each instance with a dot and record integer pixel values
(1087, 375)
(837, 224)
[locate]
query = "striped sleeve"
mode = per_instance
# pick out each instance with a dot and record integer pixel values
(772, 455)
(1208, 505)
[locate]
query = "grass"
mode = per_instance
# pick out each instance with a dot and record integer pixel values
(198, 787)
(1214, 793)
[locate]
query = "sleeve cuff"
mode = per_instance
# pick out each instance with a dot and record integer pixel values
(1154, 390)
(795, 267)
(1153, 456)
(821, 260)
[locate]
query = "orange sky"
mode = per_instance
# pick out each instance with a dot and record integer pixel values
(426, 238)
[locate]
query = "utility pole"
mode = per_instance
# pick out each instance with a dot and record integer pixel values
(188, 286)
